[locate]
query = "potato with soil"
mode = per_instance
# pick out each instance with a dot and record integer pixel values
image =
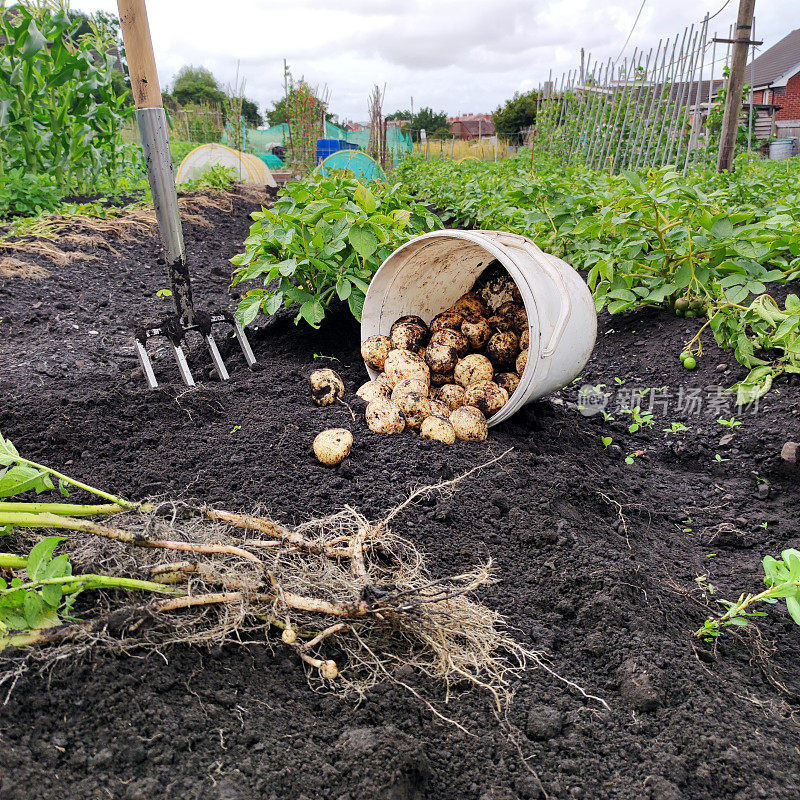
(470, 305)
(453, 338)
(385, 416)
(522, 362)
(408, 336)
(473, 368)
(332, 446)
(525, 339)
(441, 358)
(486, 396)
(374, 351)
(441, 378)
(408, 385)
(451, 394)
(502, 349)
(478, 331)
(374, 390)
(499, 322)
(415, 407)
(412, 318)
(438, 429)
(440, 409)
(508, 381)
(326, 387)
(469, 424)
(405, 364)
(447, 320)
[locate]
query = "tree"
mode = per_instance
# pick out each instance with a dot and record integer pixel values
(515, 116)
(406, 114)
(277, 114)
(429, 120)
(196, 85)
(252, 117)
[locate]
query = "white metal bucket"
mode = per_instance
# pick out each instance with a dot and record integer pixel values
(781, 149)
(428, 274)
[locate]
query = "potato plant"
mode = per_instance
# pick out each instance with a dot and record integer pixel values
(324, 239)
(705, 245)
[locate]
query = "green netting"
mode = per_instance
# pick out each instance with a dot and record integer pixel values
(360, 164)
(397, 143)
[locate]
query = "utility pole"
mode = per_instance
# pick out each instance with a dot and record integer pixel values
(733, 101)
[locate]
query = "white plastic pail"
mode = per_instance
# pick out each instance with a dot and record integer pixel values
(428, 274)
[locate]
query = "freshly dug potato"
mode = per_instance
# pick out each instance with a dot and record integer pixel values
(470, 305)
(525, 339)
(508, 309)
(412, 318)
(502, 349)
(500, 323)
(473, 368)
(374, 351)
(440, 409)
(326, 386)
(486, 396)
(469, 424)
(408, 336)
(438, 429)
(407, 385)
(441, 378)
(405, 364)
(477, 330)
(415, 407)
(441, 358)
(332, 446)
(452, 395)
(373, 390)
(508, 381)
(447, 319)
(522, 361)
(496, 286)
(519, 321)
(453, 338)
(384, 416)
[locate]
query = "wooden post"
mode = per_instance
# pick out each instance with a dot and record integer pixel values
(733, 101)
(139, 50)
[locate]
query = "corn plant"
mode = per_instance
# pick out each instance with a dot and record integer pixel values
(59, 112)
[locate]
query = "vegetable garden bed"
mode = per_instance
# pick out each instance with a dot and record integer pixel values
(598, 562)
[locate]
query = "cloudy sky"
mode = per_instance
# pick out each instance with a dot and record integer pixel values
(453, 55)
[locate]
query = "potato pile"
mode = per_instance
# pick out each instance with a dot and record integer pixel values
(445, 378)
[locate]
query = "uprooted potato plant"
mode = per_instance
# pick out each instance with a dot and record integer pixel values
(352, 599)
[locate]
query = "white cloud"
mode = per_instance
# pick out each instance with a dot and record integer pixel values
(454, 55)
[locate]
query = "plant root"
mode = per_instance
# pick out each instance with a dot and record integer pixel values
(353, 600)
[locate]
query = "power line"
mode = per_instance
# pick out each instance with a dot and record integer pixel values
(724, 6)
(633, 28)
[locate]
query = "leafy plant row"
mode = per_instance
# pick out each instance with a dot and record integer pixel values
(702, 245)
(324, 238)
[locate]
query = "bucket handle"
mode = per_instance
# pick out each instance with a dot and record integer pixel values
(542, 259)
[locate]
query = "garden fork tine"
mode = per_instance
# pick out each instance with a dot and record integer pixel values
(155, 143)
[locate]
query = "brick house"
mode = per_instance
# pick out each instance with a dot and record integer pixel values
(776, 85)
(471, 126)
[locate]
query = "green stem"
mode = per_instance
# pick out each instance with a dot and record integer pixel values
(11, 561)
(65, 509)
(91, 489)
(72, 583)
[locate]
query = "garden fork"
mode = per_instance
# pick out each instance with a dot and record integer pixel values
(155, 142)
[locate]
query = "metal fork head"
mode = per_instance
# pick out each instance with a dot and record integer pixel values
(175, 331)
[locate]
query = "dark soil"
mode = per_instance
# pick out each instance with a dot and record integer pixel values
(598, 562)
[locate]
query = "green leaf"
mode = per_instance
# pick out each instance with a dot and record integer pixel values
(356, 303)
(249, 307)
(40, 555)
(793, 607)
(343, 289)
(364, 197)
(312, 312)
(722, 228)
(51, 594)
(363, 241)
(32, 608)
(34, 43)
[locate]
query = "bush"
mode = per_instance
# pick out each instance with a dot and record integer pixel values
(24, 194)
